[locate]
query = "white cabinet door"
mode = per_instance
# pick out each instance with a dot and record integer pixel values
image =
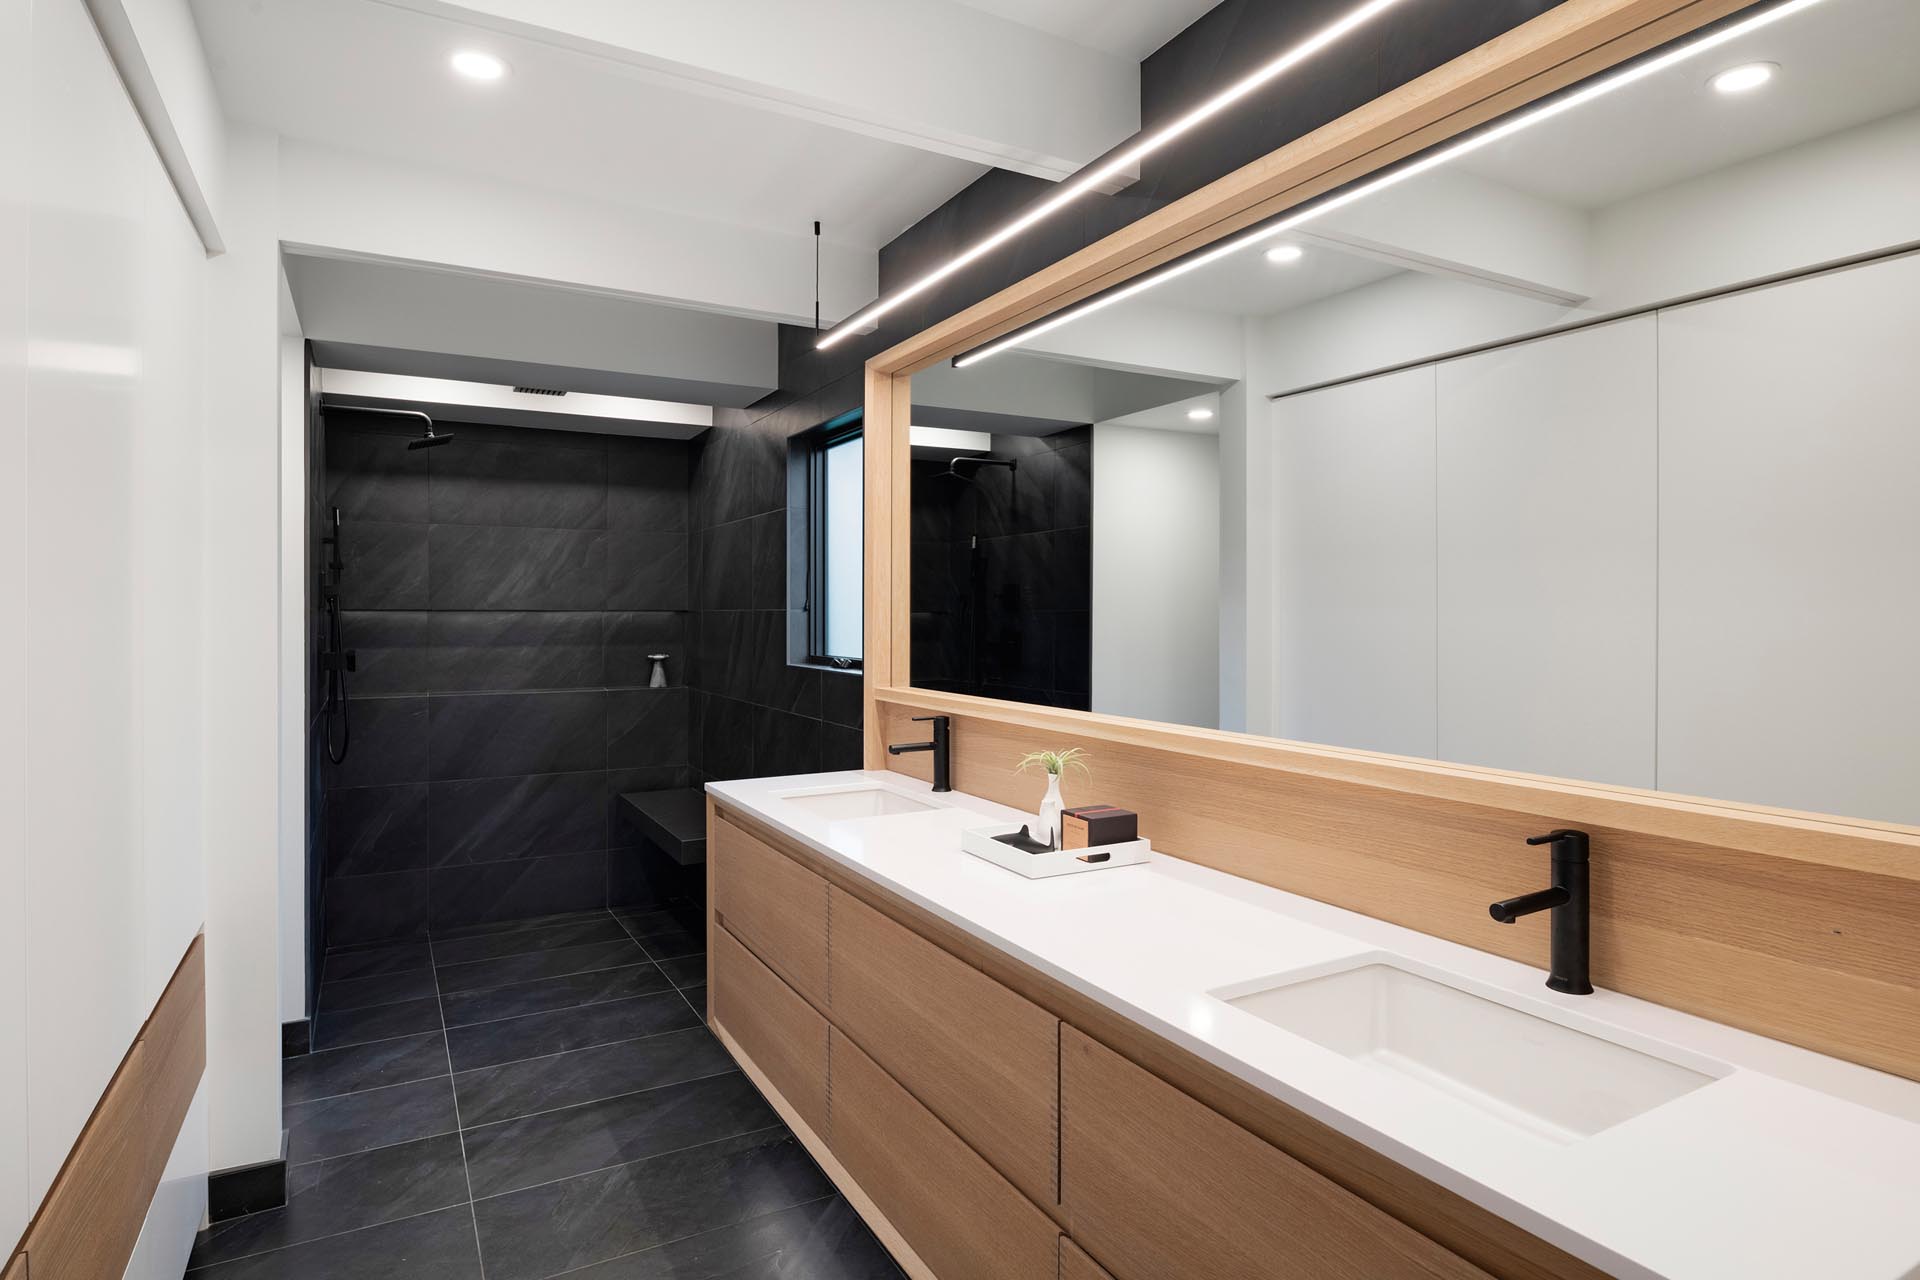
(1548, 457)
(1790, 545)
(1353, 499)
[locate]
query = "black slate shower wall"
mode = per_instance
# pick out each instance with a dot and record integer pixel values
(1003, 573)
(755, 714)
(502, 593)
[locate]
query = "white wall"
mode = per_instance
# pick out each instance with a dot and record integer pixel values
(1156, 574)
(16, 60)
(293, 661)
(103, 587)
(241, 661)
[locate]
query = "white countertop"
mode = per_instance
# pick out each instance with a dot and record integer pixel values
(1790, 1165)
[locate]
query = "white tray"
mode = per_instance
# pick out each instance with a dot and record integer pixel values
(980, 842)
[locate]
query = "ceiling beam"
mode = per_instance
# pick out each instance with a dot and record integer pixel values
(931, 74)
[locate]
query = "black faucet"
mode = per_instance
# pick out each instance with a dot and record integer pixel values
(1568, 901)
(942, 757)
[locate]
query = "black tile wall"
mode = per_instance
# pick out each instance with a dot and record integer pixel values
(502, 595)
(754, 713)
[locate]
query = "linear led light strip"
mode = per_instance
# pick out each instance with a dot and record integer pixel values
(1433, 160)
(1119, 163)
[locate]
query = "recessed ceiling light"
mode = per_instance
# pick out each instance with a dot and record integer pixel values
(1199, 415)
(1744, 78)
(475, 65)
(1281, 254)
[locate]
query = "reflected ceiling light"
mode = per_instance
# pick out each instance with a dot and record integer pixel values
(1743, 78)
(1599, 88)
(475, 65)
(1282, 254)
(1199, 415)
(1117, 163)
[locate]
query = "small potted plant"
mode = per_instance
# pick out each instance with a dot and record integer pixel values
(1055, 764)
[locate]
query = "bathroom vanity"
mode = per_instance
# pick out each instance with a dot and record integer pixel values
(1164, 1071)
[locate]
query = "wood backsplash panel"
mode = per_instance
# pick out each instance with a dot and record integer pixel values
(1790, 926)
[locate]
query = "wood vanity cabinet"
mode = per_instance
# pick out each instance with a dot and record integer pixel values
(1159, 1187)
(983, 1059)
(774, 905)
(964, 1220)
(1076, 1265)
(783, 1034)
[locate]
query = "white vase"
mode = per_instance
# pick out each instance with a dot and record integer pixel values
(1049, 829)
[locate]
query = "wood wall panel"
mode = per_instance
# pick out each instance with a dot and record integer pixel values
(985, 1060)
(1076, 1265)
(781, 1032)
(1162, 1188)
(88, 1224)
(772, 905)
(16, 1268)
(964, 1220)
(1695, 906)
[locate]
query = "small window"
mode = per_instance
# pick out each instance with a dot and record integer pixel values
(836, 542)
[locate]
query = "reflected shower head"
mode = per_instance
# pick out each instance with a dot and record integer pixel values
(430, 439)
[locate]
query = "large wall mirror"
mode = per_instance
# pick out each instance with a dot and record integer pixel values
(1587, 445)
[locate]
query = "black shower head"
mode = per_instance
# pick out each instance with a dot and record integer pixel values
(430, 439)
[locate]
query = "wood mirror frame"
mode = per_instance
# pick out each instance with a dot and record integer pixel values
(1798, 926)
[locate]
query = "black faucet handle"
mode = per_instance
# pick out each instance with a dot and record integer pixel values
(1566, 842)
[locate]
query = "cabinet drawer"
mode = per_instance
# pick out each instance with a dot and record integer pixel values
(783, 1034)
(1076, 1265)
(986, 1061)
(774, 905)
(1160, 1187)
(964, 1220)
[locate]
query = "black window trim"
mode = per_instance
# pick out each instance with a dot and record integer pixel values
(847, 426)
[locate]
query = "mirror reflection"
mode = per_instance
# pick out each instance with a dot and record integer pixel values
(1590, 452)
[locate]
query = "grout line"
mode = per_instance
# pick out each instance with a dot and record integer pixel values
(384, 1146)
(361, 1044)
(331, 1235)
(473, 1214)
(778, 1127)
(729, 1070)
(568, 1008)
(561, 1053)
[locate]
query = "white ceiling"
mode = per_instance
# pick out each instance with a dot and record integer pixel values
(371, 77)
(1842, 63)
(1130, 28)
(1246, 284)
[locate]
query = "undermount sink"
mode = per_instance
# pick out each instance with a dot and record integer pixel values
(1550, 1080)
(855, 802)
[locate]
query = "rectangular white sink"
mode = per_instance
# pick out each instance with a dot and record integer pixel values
(1553, 1081)
(855, 802)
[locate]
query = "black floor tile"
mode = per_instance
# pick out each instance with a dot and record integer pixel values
(548, 994)
(433, 1246)
(821, 1240)
(672, 943)
(362, 1066)
(367, 962)
(588, 1075)
(641, 923)
(382, 1022)
(524, 925)
(344, 994)
(559, 1226)
(480, 974)
(599, 927)
(561, 1144)
(685, 971)
(328, 1197)
(373, 1118)
(491, 1043)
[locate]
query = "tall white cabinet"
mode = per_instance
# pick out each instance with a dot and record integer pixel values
(1353, 498)
(1790, 544)
(1680, 551)
(1547, 546)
